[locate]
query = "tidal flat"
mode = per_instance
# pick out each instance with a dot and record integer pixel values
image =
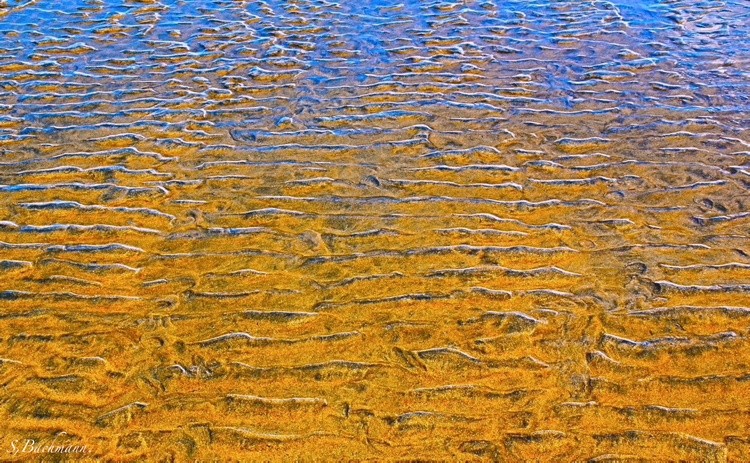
(309, 230)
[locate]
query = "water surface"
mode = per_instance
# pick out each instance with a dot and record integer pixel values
(376, 230)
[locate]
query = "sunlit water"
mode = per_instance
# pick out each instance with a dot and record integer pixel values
(502, 231)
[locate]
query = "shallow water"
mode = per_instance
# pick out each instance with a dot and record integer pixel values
(498, 231)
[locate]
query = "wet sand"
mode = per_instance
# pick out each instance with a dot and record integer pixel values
(375, 231)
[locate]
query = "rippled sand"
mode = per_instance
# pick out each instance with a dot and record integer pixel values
(318, 231)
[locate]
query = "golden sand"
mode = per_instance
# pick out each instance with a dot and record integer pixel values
(372, 231)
